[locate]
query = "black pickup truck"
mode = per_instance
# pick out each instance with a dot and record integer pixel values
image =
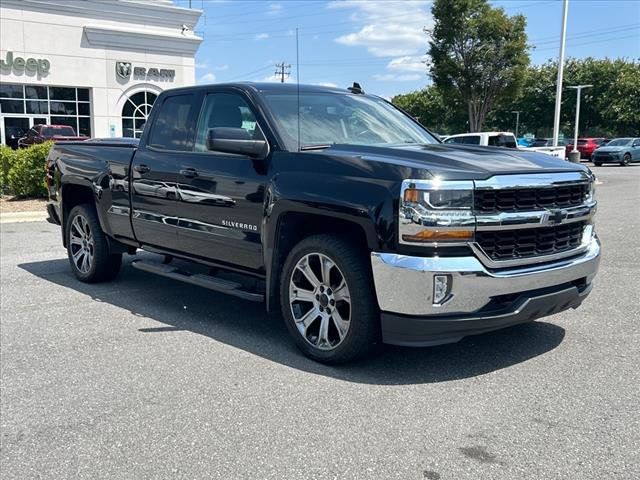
(334, 208)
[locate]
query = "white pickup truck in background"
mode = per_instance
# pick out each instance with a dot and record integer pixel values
(501, 139)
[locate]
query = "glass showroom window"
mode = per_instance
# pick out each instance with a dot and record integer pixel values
(57, 105)
(135, 112)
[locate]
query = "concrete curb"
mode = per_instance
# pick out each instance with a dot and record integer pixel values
(20, 217)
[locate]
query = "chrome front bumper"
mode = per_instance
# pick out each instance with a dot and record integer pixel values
(404, 284)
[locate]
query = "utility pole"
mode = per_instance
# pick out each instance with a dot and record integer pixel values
(563, 37)
(283, 71)
(517, 112)
(578, 89)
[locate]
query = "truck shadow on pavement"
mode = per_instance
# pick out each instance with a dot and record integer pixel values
(246, 326)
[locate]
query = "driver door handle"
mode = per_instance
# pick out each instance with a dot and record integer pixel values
(189, 172)
(142, 169)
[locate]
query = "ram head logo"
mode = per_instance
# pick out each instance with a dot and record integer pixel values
(123, 70)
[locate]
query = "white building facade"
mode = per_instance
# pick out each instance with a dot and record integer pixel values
(96, 65)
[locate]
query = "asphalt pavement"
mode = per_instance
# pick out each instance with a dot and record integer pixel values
(147, 378)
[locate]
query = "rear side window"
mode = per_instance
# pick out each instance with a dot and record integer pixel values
(467, 140)
(502, 141)
(582, 142)
(172, 127)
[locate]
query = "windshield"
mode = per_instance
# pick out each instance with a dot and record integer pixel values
(328, 118)
(58, 131)
(619, 142)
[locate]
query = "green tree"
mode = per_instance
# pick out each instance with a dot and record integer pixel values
(611, 108)
(478, 55)
(432, 111)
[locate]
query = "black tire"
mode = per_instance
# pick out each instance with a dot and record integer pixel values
(363, 334)
(102, 264)
(626, 160)
(597, 164)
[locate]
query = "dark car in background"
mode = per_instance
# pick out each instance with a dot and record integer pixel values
(586, 146)
(619, 150)
(43, 133)
(546, 142)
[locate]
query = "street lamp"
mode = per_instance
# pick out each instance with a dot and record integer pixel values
(517, 112)
(578, 89)
(563, 36)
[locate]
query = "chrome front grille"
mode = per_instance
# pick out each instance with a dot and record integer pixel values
(530, 242)
(528, 199)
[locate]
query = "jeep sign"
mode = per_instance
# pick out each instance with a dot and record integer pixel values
(40, 66)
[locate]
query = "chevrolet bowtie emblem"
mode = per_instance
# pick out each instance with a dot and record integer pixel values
(556, 216)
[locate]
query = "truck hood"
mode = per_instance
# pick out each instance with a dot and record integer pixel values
(458, 162)
(65, 138)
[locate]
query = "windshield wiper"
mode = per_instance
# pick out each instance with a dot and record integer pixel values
(317, 146)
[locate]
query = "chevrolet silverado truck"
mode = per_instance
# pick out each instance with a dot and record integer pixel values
(336, 209)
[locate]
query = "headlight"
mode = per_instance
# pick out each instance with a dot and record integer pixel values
(435, 211)
(591, 193)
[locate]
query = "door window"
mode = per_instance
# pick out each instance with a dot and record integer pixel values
(172, 129)
(466, 140)
(228, 110)
(502, 141)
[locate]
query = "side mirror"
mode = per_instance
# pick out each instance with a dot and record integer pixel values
(236, 140)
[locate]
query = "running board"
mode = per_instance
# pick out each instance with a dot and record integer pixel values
(199, 279)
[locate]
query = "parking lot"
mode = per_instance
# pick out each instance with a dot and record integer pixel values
(148, 378)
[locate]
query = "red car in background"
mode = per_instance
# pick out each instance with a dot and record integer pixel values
(55, 133)
(586, 146)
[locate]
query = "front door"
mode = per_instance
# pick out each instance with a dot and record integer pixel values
(13, 129)
(154, 172)
(222, 195)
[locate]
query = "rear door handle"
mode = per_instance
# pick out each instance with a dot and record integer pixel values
(141, 168)
(189, 172)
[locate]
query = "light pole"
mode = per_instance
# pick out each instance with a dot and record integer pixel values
(563, 36)
(578, 89)
(517, 112)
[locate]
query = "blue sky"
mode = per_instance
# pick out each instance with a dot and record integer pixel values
(381, 44)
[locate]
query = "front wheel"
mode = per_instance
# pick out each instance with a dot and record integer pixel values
(88, 248)
(328, 300)
(626, 160)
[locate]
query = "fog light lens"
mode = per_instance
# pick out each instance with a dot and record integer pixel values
(441, 288)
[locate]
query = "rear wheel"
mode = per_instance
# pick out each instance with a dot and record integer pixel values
(328, 300)
(626, 160)
(88, 248)
(597, 164)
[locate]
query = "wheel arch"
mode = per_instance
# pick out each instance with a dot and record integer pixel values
(291, 227)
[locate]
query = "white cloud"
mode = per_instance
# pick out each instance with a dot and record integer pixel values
(274, 9)
(392, 77)
(262, 36)
(204, 64)
(408, 64)
(394, 28)
(207, 78)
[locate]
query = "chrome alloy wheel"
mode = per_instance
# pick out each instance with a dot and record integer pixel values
(82, 245)
(320, 301)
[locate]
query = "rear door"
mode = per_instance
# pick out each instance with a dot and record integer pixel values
(154, 172)
(222, 194)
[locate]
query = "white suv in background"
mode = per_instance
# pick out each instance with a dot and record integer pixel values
(485, 139)
(500, 139)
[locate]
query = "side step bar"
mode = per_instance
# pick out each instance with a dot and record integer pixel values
(201, 280)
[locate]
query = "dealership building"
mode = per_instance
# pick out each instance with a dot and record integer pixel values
(97, 66)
